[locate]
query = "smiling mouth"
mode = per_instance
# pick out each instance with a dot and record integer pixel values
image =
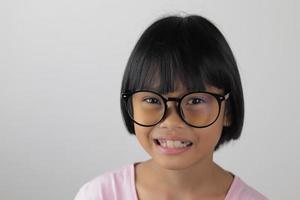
(172, 144)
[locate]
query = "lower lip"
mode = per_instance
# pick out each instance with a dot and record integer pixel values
(172, 151)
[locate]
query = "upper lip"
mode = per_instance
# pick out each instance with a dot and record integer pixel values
(175, 138)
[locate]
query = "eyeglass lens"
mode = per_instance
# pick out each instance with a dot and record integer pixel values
(197, 109)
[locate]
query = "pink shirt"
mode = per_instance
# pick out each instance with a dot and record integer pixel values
(120, 185)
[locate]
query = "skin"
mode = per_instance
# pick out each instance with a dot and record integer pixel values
(189, 175)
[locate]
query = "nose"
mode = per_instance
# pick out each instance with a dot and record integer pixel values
(172, 119)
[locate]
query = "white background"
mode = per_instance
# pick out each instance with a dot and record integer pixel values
(61, 64)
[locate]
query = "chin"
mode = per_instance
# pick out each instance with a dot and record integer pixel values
(173, 164)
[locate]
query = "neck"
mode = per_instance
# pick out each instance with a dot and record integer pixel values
(204, 176)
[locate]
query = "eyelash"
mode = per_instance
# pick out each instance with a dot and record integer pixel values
(201, 101)
(147, 100)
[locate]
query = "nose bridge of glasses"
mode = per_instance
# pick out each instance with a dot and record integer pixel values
(173, 99)
(175, 102)
(172, 116)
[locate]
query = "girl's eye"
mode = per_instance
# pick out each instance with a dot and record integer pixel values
(196, 101)
(152, 100)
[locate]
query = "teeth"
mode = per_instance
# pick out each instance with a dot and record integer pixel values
(174, 144)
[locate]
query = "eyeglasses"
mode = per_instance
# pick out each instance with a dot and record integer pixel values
(197, 109)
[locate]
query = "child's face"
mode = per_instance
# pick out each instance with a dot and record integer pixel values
(204, 139)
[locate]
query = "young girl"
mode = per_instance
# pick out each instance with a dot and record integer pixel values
(182, 97)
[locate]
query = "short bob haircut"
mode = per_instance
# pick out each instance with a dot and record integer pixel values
(189, 50)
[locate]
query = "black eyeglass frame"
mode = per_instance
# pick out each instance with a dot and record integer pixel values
(126, 95)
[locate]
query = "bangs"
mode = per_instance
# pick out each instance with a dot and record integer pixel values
(164, 72)
(164, 67)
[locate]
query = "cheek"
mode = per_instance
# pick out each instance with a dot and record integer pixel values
(143, 134)
(210, 134)
(209, 137)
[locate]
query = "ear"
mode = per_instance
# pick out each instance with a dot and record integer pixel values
(226, 119)
(226, 122)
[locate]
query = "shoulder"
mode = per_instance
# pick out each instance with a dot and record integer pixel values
(110, 185)
(240, 190)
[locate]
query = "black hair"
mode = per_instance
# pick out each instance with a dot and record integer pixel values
(189, 50)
